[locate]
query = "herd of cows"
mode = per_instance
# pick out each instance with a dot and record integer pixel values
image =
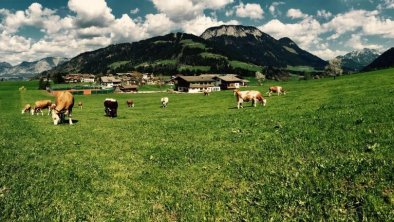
(64, 103)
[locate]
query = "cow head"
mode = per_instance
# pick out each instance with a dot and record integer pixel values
(55, 117)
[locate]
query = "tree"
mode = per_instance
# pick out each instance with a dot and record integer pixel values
(260, 77)
(334, 68)
(43, 84)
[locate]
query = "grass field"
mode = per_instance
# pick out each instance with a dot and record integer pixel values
(323, 152)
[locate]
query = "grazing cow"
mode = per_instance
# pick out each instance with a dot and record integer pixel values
(164, 102)
(276, 89)
(26, 109)
(130, 103)
(64, 106)
(247, 96)
(206, 92)
(80, 104)
(40, 105)
(110, 107)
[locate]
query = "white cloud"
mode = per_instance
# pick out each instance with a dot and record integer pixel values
(91, 13)
(305, 33)
(295, 14)
(158, 24)
(327, 54)
(356, 42)
(324, 14)
(181, 10)
(134, 11)
(273, 8)
(201, 23)
(368, 22)
(253, 11)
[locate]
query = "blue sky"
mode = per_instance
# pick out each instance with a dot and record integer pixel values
(31, 30)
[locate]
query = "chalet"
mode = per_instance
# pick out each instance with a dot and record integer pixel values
(229, 81)
(72, 78)
(193, 84)
(128, 88)
(88, 78)
(109, 82)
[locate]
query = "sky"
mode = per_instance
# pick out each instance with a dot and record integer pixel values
(31, 30)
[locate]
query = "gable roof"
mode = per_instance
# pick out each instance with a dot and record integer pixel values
(110, 79)
(197, 78)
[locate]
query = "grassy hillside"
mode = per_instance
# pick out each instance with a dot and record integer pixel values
(324, 151)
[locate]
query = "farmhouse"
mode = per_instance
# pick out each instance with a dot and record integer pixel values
(128, 88)
(110, 82)
(229, 81)
(193, 84)
(77, 77)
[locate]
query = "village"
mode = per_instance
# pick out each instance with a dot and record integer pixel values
(130, 82)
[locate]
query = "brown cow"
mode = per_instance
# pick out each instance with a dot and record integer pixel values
(130, 103)
(40, 105)
(64, 106)
(247, 96)
(26, 109)
(276, 89)
(80, 104)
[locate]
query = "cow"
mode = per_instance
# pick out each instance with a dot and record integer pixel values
(247, 96)
(64, 106)
(40, 105)
(164, 102)
(26, 109)
(80, 104)
(276, 89)
(206, 92)
(130, 103)
(110, 107)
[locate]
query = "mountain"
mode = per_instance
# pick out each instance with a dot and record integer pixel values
(248, 43)
(4, 66)
(386, 60)
(32, 68)
(356, 60)
(224, 49)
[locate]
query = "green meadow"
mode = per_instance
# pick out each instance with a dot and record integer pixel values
(322, 152)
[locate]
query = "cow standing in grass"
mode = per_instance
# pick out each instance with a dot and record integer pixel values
(80, 105)
(40, 105)
(26, 109)
(276, 89)
(111, 107)
(130, 103)
(164, 102)
(247, 96)
(64, 105)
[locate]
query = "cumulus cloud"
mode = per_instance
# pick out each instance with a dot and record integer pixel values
(253, 11)
(91, 13)
(158, 24)
(356, 42)
(324, 14)
(328, 54)
(305, 33)
(273, 8)
(369, 22)
(198, 25)
(181, 10)
(296, 14)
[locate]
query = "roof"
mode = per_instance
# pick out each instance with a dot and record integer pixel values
(230, 78)
(110, 79)
(129, 87)
(197, 78)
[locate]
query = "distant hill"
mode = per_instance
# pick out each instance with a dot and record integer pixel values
(4, 66)
(224, 49)
(31, 68)
(248, 43)
(386, 60)
(356, 60)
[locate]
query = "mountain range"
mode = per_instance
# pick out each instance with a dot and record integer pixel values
(227, 48)
(386, 60)
(356, 60)
(29, 69)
